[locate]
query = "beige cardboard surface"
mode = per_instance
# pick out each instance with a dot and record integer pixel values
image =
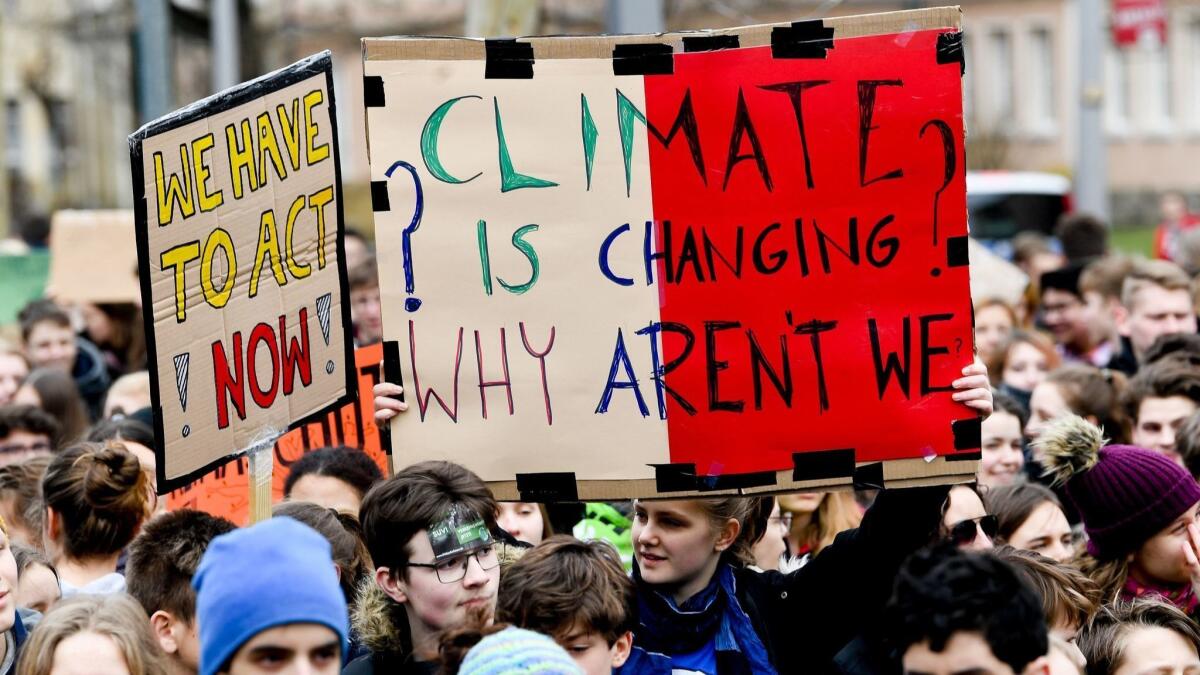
(194, 437)
(458, 322)
(93, 257)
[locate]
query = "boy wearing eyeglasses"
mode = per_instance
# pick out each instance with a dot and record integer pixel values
(430, 530)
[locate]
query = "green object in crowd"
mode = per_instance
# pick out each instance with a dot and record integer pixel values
(22, 278)
(603, 521)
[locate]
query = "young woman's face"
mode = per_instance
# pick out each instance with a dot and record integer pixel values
(801, 502)
(438, 606)
(964, 504)
(1154, 649)
(1045, 405)
(328, 491)
(1002, 457)
(8, 584)
(38, 588)
(523, 520)
(993, 324)
(675, 545)
(13, 372)
(88, 653)
(1025, 367)
(1045, 531)
(1161, 559)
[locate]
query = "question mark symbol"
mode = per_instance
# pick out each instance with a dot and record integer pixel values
(411, 304)
(950, 165)
(958, 343)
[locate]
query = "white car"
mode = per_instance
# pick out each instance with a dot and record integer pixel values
(1002, 204)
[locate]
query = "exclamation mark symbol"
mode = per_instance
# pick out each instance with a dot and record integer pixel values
(323, 304)
(181, 383)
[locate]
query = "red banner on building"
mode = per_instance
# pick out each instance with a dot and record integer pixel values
(1133, 18)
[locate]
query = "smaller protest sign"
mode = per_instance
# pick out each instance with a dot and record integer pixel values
(93, 257)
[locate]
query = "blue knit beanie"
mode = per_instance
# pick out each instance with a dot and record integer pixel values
(516, 651)
(275, 573)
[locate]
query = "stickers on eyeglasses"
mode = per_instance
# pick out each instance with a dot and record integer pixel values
(460, 530)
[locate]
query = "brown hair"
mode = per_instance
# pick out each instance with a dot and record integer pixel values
(999, 361)
(1187, 443)
(99, 492)
(564, 584)
(837, 512)
(116, 616)
(364, 275)
(1161, 379)
(345, 537)
(1091, 392)
(1109, 575)
(1067, 595)
(399, 507)
(39, 311)
(21, 482)
(1104, 640)
(1106, 276)
(59, 396)
(1013, 504)
(1161, 273)
(741, 509)
(163, 559)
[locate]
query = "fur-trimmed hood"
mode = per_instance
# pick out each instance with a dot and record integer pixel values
(381, 624)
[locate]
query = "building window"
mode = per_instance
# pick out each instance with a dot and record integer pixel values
(997, 112)
(1116, 90)
(1039, 94)
(1151, 87)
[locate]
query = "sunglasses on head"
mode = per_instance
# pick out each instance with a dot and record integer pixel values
(964, 532)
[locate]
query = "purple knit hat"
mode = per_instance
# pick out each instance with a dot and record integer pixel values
(1124, 493)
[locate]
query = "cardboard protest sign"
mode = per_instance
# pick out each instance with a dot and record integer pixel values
(225, 490)
(239, 233)
(93, 257)
(641, 266)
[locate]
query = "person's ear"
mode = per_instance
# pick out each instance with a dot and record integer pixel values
(1121, 317)
(621, 649)
(162, 624)
(1039, 666)
(391, 584)
(727, 535)
(51, 527)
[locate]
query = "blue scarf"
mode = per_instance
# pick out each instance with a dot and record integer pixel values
(713, 614)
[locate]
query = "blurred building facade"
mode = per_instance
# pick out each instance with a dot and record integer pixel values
(69, 82)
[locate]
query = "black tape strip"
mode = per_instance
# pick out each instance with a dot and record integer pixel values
(508, 59)
(391, 364)
(373, 91)
(735, 481)
(379, 196)
(950, 50)
(651, 58)
(547, 487)
(957, 252)
(869, 477)
(710, 43)
(674, 477)
(823, 464)
(968, 433)
(964, 457)
(802, 40)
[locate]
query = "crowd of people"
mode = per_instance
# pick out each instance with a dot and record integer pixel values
(1076, 551)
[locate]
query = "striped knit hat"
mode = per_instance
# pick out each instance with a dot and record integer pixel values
(1124, 494)
(516, 651)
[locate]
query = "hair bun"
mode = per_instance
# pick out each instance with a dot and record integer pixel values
(115, 480)
(1069, 445)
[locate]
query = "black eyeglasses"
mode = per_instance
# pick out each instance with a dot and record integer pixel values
(455, 569)
(964, 532)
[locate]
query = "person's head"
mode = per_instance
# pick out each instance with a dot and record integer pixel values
(1136, 504)
(1030, 517)
(1180, 347)
(158, 573)
(1002, 438)
(678, 544)
(8, 581)
(137, 437)
(1173, 205)
(21, 500)
(525, 521)
(966, 522)
(118, 328)
(128, 394)
(1141, 636)
(1100, 283)
(48, 337)
(1068, 597)
(37, 580)
(773, 528)
(1035, 254)
(1187, 444)
(963, 612)
(1062, 309)
(1023, 361)
(93, 634)
(994, 321)
(365, 310)
(14, 367)
(357, 248)
(25, 432)
(1091, 393)
(1156, 300)
(544, 591)
(428, 530)
(337, 478)
(95, 497)
(1084, 237)
(268, 601)
(344, 535)
(818, 517)
(502, 650)
(56, 392)
(1159, 399)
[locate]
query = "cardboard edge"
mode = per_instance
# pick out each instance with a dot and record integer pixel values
(600, 46)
